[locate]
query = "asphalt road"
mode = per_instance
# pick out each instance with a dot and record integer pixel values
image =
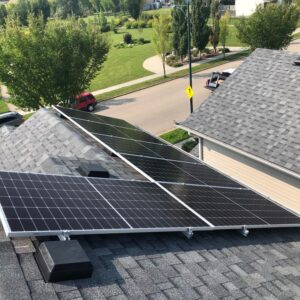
(155, 109)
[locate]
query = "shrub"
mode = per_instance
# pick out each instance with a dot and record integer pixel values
(141, 41)
(135, 24)
(190, 145)
(150, 23)
(142, 24)
(105, 28)
(177, 64)
(206, 50)
(128, 25)
(195, 52)
(170, 60)
(227, 50)
(127, 38)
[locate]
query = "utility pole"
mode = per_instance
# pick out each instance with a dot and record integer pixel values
(189, 51)
(187, 18)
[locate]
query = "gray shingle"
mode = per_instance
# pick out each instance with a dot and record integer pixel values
(257, 109)
(48, 144)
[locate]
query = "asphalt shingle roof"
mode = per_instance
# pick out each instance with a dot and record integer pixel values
(48, 144)
(212, 265)
(257, 109)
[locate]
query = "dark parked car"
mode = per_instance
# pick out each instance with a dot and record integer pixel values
(11, 119)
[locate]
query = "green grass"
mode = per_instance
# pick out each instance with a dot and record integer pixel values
(3, 106)
(125, 64)
(179, 74)
(296, 36)
(27, 116)
(175, 136)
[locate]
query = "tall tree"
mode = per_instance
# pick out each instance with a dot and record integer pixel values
(22, 8)
(224, 29)
(40, 6)
(269, 27)
(215, 27)
(199, 17)
(180, 30)
(3, 14)
(135, 7)
(65, 8)
(46, 63)
(161, 37)
(19, 9)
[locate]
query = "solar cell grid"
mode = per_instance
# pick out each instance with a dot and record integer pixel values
(145, 205)
(95, 118)
(34, 202)
(161, 170)
(222, 207)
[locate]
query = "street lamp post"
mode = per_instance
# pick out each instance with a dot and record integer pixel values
(187, 17)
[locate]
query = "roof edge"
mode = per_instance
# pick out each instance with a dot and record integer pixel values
(239, 151)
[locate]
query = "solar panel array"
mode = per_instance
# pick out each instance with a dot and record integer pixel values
(181, 192)
(219, 199)
(51, 203)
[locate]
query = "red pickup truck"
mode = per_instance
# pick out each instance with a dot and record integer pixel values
(84, 101)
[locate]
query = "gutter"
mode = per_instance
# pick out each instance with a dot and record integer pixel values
(253, 157)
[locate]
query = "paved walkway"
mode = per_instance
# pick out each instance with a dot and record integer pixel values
(159, 74)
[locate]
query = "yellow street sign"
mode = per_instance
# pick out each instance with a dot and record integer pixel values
(189, 91)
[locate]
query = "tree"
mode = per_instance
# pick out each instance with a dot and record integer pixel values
(180, 30)
(161, 37)
(269, 27)
(135, 7)
(19, 9)
(22, 8)
(40, 6)
(224, 29)
(46, 63)
(199, 17)
(65, 8)
(215, 28)
(3, 14)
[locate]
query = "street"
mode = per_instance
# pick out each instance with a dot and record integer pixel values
(155, 109)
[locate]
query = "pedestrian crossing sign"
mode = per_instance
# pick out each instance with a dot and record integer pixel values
(189, 91)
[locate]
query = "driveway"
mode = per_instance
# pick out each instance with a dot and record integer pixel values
(155, 109)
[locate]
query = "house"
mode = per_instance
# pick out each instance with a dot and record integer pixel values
(247, 7)
(249, 128)
(212, 265)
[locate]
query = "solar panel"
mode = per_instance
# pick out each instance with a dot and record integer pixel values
(137, 148)
(145, 205)
(180, 172)
(54, 203)
(212, 196)
(96, 118)
(232, 207)
(37, 203)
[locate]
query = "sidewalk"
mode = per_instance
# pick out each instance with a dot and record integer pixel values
(157, 75)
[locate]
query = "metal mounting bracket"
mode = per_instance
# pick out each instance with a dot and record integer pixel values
(188, 233)
(244, 231)
(64, 236)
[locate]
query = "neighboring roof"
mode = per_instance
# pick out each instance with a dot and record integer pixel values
(211, 265)
(257, 109)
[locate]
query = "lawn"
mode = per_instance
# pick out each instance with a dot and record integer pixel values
(3, 106)
(175, 136)
(124, 64)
